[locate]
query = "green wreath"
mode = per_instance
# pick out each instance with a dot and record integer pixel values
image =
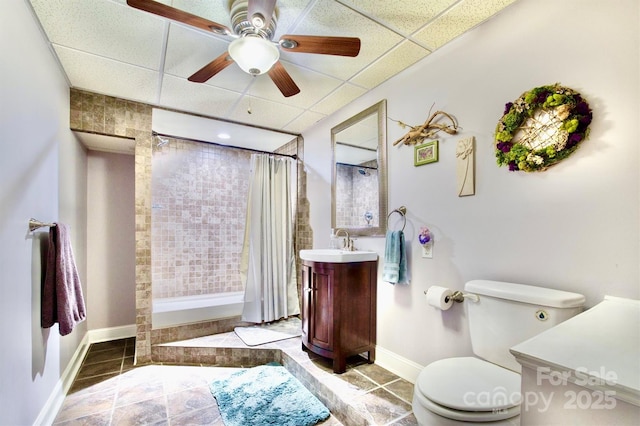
(541, 128)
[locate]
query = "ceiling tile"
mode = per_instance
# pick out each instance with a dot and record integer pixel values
(345, 94)
(304, 121)
(288, 15)
(189, 50)
(231, 78)
(264, 113)
(183, 95)
(333, 19)
(401, 15)
(401, 57)
(103, 28)
(216, 11)
(101, 75)
(313, 87)
(459, 19)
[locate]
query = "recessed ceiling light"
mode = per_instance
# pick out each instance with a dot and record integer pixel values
(224, 136)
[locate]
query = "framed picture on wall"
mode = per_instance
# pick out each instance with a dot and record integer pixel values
(425, 153)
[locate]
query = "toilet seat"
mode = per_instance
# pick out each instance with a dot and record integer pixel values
(469, 389)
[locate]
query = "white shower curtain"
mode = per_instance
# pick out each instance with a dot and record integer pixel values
(268, 258)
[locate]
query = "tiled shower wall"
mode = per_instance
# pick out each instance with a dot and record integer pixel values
(359, 194)
(199, 202)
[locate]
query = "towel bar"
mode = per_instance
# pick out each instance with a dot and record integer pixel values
(402, 211)
(35, 224)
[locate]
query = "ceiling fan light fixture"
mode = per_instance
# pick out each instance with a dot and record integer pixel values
(253, 54)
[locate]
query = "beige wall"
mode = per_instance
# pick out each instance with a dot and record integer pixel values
(111, 277)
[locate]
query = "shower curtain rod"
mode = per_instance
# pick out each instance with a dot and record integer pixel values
(357, 166)
(294, 156)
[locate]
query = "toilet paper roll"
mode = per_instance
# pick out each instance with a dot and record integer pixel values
(439, 297)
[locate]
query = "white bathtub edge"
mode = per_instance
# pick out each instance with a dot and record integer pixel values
(174, 311)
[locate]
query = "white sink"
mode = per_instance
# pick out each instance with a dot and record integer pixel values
(338, 256)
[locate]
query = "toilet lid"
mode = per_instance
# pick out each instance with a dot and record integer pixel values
(470, 384)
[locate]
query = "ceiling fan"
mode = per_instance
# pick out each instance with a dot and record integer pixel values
(254, 24)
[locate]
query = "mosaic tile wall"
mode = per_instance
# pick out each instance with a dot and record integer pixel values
(96, 113)
(91, 112)
(199, 202)
(360, 195)
(304, 233)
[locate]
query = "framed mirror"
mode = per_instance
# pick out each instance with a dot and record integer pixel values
(359, 181)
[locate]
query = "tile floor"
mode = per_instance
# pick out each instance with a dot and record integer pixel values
(110, 390)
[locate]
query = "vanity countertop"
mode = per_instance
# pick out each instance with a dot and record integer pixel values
(600, 346)
(338, 256)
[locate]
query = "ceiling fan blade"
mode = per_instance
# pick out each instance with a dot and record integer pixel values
(165, 11)
(324, 45)
(211, 69)
(262, 10)
(283, 80)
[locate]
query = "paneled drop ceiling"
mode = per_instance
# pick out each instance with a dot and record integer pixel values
(107, 47)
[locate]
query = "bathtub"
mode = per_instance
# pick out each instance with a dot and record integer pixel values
(172, 311)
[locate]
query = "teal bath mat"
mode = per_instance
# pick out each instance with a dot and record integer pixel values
(266, 395)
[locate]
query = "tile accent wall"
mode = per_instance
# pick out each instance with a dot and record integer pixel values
(304, 233)
(198, 218)
(91, 112)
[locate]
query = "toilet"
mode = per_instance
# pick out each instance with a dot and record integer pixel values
(486, 388)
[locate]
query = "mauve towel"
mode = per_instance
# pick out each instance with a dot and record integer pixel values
(62, 300)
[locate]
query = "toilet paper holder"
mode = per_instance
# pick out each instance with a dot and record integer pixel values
(458, 296)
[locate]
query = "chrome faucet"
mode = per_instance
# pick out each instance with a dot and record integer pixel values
(348, 242)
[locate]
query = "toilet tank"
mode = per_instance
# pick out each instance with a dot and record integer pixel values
(506, 314)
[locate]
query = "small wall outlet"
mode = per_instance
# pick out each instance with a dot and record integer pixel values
(427, 250)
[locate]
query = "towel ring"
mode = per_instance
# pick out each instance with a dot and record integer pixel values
(402, 211)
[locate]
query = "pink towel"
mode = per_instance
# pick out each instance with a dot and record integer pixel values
(62, 300)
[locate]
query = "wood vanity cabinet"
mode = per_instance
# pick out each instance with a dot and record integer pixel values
(339, 310)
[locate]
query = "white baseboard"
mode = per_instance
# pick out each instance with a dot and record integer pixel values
(111, 333)
(403, 367)
(50, 410)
